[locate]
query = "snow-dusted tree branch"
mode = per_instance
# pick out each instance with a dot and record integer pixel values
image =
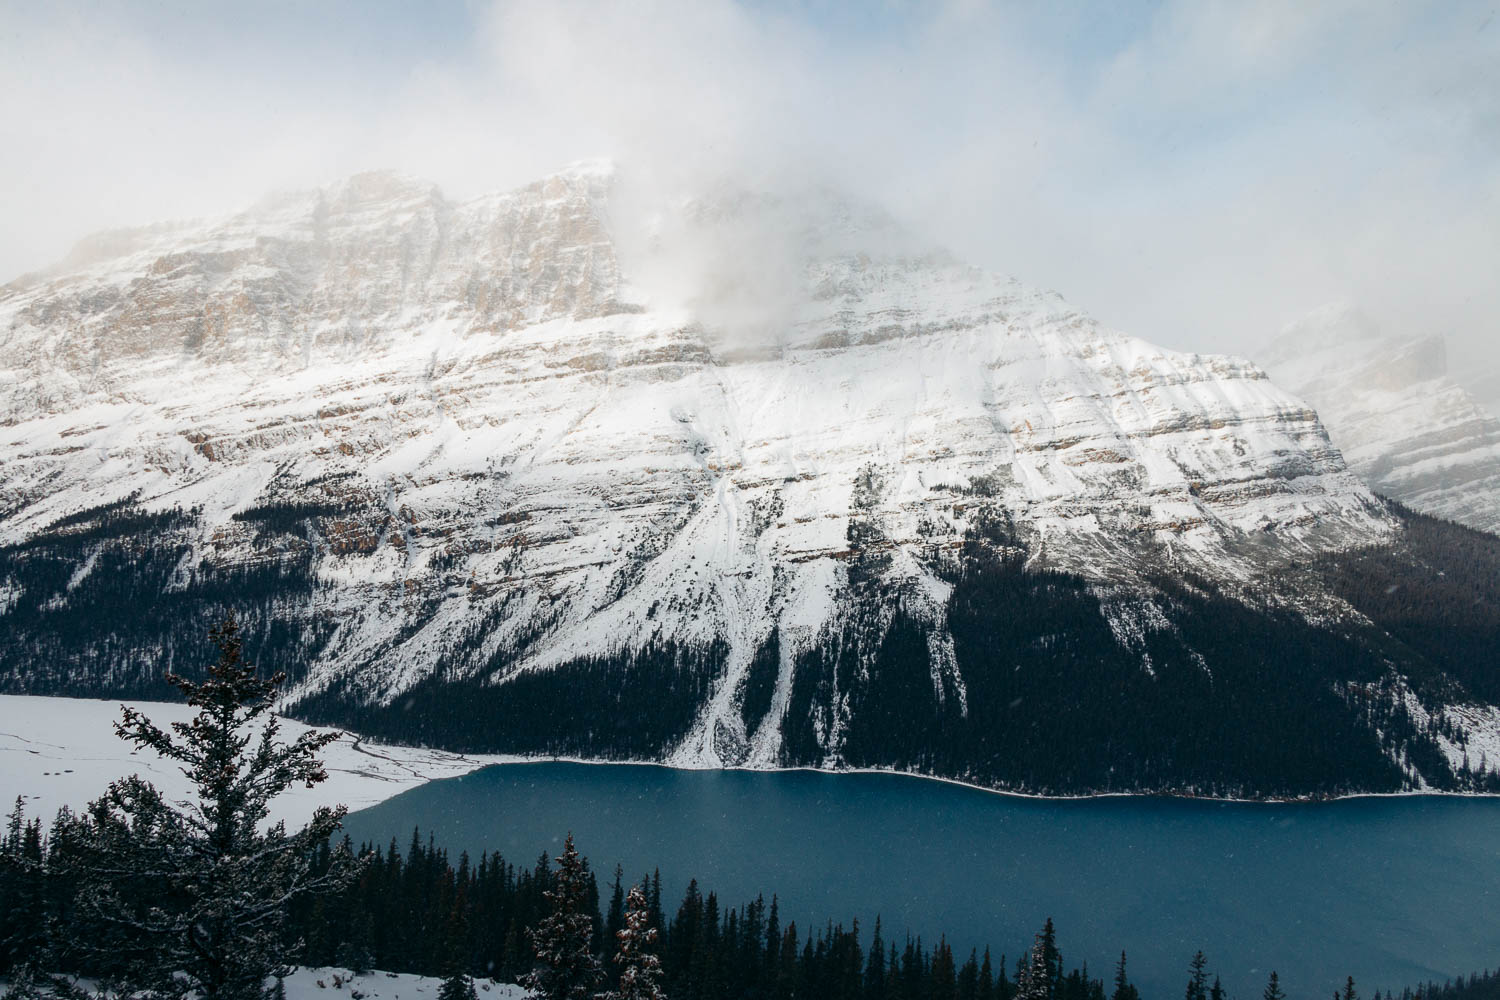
(191, 898)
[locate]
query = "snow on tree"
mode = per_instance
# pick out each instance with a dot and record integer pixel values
(566, 967)
(640, 967)
(457, 986)
(189, 898)
(1035, 981)
(22, 891)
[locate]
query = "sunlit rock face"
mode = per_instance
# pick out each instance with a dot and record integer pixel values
(506, 451)
(1392, 407)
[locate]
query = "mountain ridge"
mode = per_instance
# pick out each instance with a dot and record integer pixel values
(1404, 424)
(455, 445)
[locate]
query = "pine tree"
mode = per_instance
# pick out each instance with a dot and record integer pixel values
(1035, 981)
(191, 898)
(1123, 988)
(1349, 993)
(943, 976)
(875, 966)
(1273, 988)
(614, 918)
(566, 968)
(457, 986)
(968, 978)
(1197, 987)
(772, 955)
(22, 891)
(640, 968)
(1052, 956)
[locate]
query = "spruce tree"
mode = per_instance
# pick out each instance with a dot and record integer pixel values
(1035, 980)
(457, 986)
(1273, 988)
(614, 918)
(640, 968)
(566, 967)
(1124, 990)
(875, 966)
(190, 898)
(968, 978)
(1052, 956)
(23, 907)
(1197, 987)
(942, 975)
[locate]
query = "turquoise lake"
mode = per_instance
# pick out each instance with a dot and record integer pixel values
(1390, 890)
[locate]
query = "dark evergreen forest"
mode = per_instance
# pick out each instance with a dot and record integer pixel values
(416, 909)
(108, 609)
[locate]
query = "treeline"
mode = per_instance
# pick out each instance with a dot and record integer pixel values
(418, 912)
(107, 601)
(1479, 986)
(625, 706)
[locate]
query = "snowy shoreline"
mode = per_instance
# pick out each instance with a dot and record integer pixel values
(502, 759)
(57, 751)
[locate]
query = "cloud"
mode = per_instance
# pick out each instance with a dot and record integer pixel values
(1198, 173)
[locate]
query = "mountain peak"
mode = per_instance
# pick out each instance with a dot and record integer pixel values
(444, 443)
(1329, 327)
(514, 452)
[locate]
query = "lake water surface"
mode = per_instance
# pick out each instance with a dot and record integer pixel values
(1390, 890)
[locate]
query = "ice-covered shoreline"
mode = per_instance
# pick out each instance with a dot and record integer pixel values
(58, 751)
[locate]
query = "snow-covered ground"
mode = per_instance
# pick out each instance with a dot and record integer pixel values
(63, 751)
(334, 984)
(339, 984)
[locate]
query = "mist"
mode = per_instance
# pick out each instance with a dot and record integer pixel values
(1196, 173)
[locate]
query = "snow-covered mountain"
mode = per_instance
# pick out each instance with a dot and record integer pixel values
(456, 444)
(1402, 422)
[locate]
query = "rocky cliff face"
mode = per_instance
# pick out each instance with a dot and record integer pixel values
(460, 443)
(1403, 423)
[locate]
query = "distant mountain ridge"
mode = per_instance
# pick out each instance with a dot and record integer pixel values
(477, 482)
(1402, 422)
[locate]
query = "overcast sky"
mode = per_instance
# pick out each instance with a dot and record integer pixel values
(1193, 172)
